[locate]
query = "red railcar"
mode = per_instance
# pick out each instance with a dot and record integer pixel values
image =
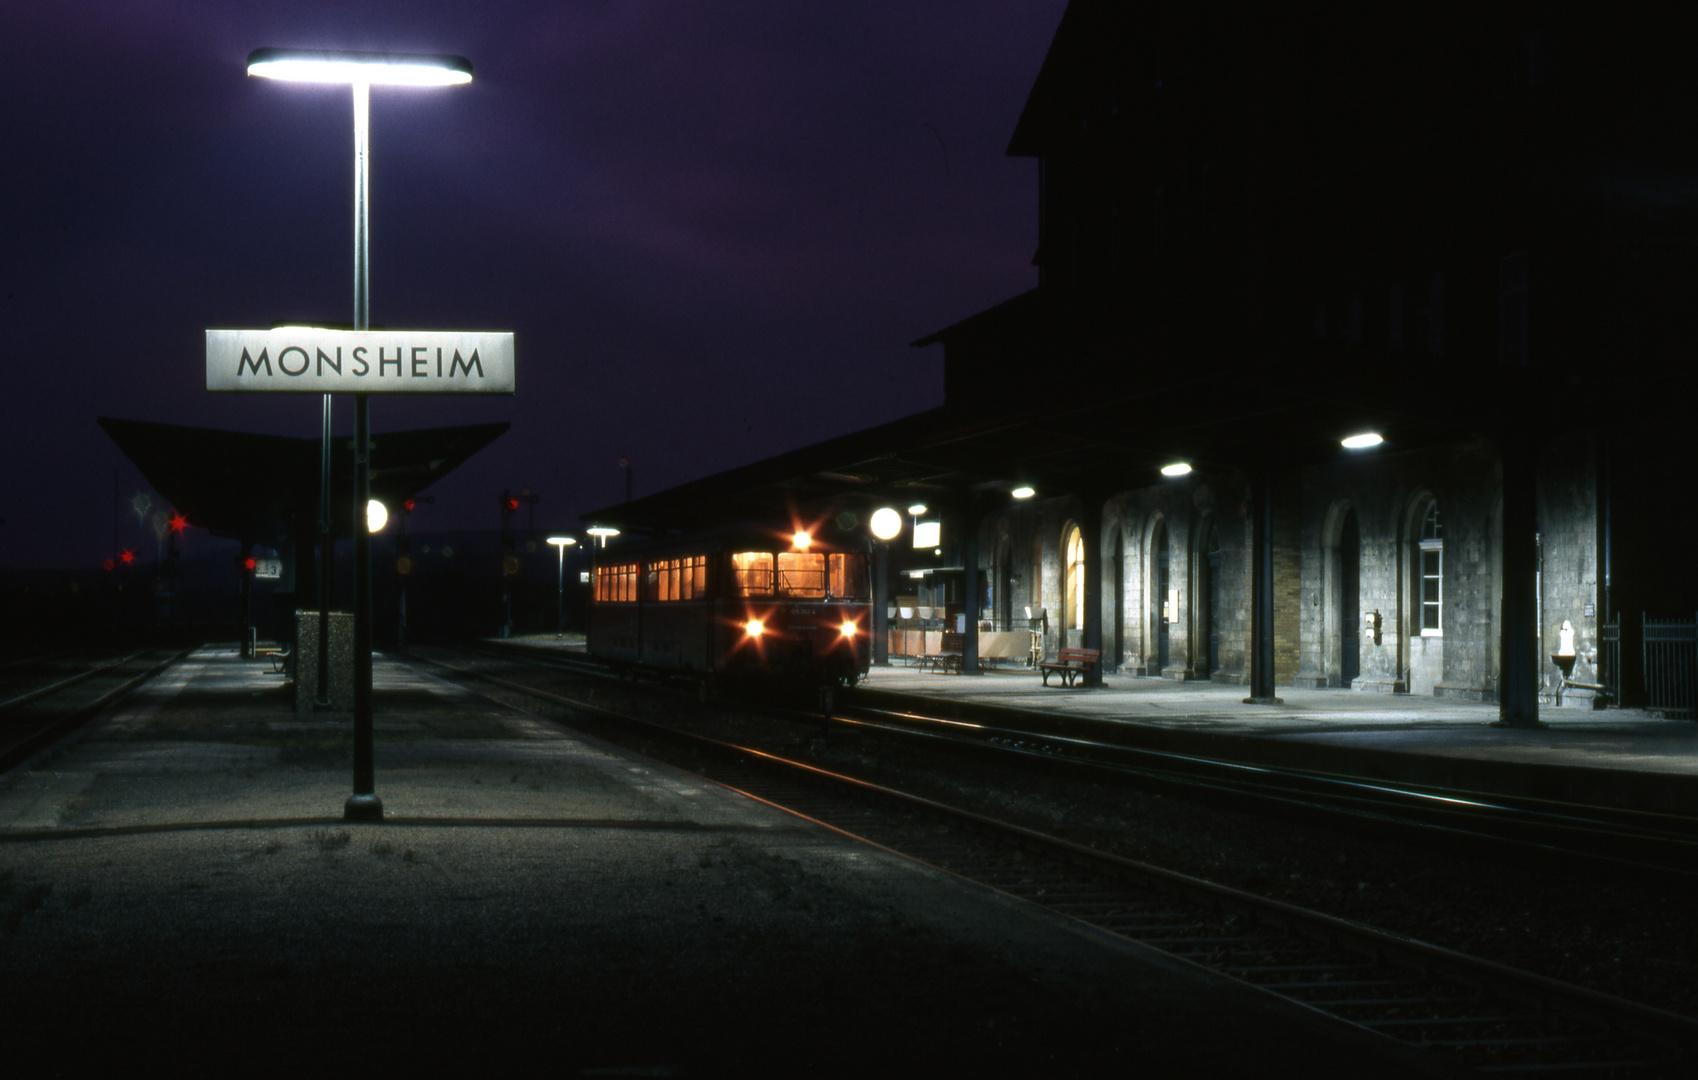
(736, 603)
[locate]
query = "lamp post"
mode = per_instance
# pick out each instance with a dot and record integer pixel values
(560, 544)
(360, 71)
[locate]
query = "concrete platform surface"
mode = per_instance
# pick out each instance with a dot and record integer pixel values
(176, 888)
(1616, 757)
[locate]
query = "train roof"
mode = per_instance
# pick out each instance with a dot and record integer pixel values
(740, 536)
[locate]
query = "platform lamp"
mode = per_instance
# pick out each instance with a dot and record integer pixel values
(360, 71)
(561, 543)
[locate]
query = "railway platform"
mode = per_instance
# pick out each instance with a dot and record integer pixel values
(176, 884)
(1611, 757)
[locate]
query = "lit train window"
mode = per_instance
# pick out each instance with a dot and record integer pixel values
(802, 573)
(678, 579)
(616, 584)
(849, 576)
(752, 571)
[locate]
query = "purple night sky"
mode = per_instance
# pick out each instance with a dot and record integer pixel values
(714, 228)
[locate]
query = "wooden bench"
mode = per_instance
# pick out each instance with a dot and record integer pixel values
(1070, 664)
(277, 654)
(949, 654)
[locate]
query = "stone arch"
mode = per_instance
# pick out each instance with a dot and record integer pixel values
(1205, 608)
(1072, 575)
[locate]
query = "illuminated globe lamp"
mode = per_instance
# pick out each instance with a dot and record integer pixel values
(886, 523)
(377, 516)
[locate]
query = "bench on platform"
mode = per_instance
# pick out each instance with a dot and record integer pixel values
(277, 654)
(1070, 664)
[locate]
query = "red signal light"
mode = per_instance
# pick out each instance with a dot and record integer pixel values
(407, 506)
(128, 556)
(178, 522)
(250, 562)
(512, 504)
(107, 564)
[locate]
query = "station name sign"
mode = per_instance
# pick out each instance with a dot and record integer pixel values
(306, 359)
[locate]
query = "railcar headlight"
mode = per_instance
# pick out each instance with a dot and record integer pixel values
(848, 629)
(754, 628)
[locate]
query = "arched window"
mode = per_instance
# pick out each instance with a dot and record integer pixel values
(1075, 584)
(1432, 573)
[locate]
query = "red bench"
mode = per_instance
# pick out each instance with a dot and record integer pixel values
(1070, 664)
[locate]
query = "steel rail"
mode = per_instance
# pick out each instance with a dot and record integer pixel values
(1477, 1010)
(22, 749)
(1618, 839)
(43, 691)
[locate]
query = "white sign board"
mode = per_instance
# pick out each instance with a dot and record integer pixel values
(306, 359)
(268, 569)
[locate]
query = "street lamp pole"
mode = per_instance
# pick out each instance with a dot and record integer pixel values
(560, 544)
(360, 70)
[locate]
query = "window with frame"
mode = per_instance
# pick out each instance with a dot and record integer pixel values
(1432, 573)
(616, 584)
(802, 574)
(678, 579)
(751, 573)
(1075, 579)
(848, 573)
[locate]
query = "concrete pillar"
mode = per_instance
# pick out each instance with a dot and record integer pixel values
(881, 603)
(1518, 642)
(1261, 592)
(969, 518)
(1091, 531)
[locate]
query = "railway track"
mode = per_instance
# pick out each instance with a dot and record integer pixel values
(31, 719)
(1614, 839)
(1475, 1013)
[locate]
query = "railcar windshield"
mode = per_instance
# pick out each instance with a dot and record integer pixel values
(751, 572)
(801, 574)
(849, 575)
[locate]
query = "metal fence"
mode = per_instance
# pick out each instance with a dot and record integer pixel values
(1671, 664)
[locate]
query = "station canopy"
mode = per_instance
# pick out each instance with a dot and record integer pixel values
(265, 488)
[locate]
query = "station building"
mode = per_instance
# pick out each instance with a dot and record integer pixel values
(1259, 234)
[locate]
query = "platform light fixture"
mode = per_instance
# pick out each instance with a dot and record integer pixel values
(801, 540)
(917, 509)
(371, 68)
(359, 71)
(1178, 468)
(601, 533)
(1024, 491)
(886, 523)
(1362, 441)
(561, 543)
(377, 516)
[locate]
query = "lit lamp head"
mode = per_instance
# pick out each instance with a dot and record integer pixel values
(1024, 491)
(886, 523)
(601, 533)
(801, 540)
(1363, 441)
(370, 68)
(1178, 468)
(562, 542)
(377, 516)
